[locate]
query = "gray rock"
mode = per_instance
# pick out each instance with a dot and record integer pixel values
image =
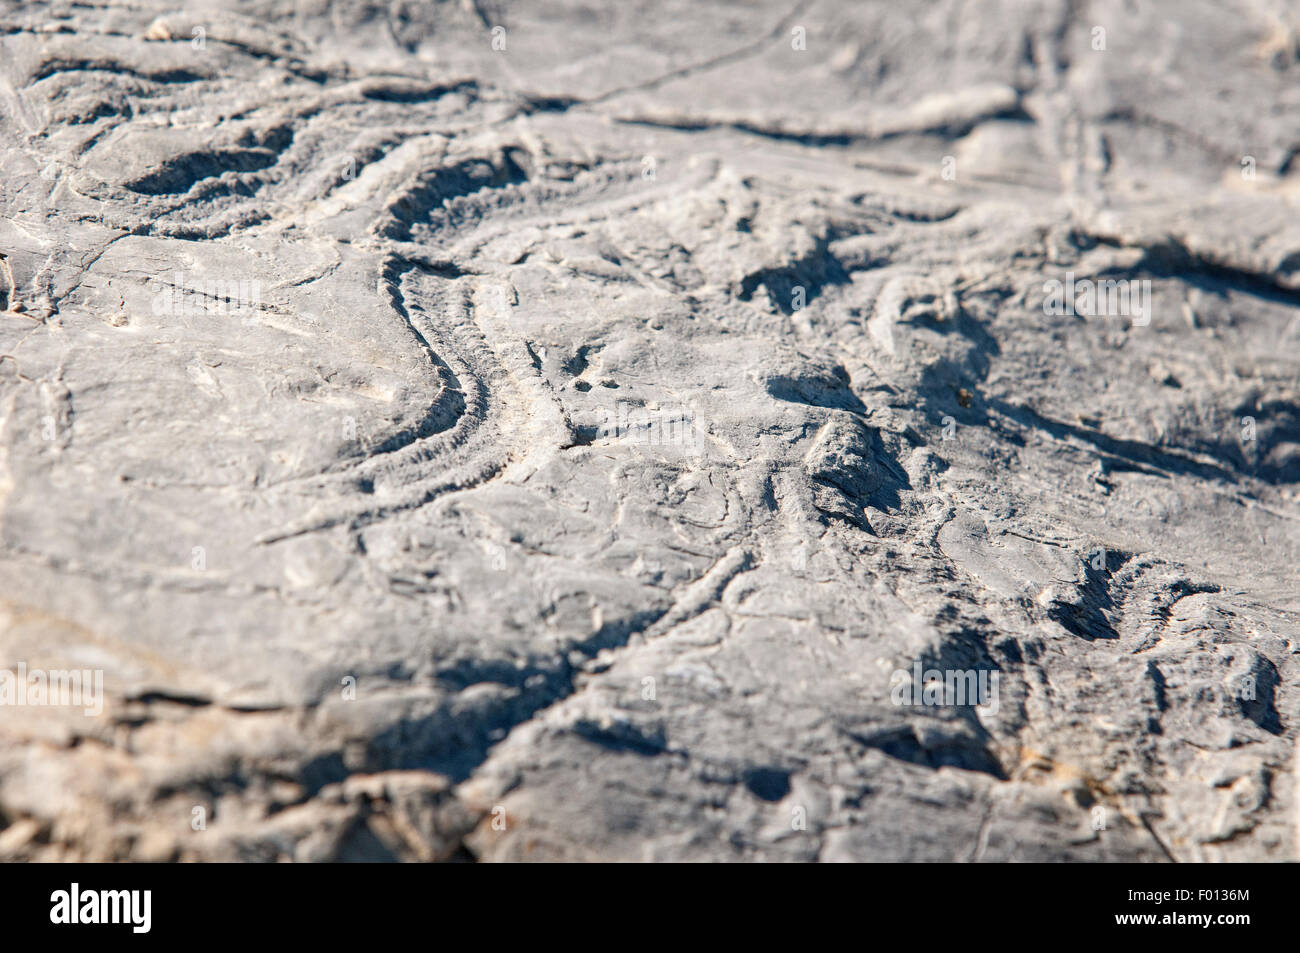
(511, 431)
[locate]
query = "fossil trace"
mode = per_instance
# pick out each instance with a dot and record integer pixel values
(649, 431)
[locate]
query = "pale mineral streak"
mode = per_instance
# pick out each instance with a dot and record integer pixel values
(547, 430)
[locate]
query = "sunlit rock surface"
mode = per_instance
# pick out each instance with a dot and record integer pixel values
(565, 431)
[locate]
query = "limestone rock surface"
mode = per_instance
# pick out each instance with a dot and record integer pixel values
(546, 431)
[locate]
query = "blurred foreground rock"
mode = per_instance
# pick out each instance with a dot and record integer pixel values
(514, 431)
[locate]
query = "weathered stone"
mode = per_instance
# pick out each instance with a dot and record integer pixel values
(524, 432)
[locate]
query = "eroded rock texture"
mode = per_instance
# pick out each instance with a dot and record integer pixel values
(612, 398)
